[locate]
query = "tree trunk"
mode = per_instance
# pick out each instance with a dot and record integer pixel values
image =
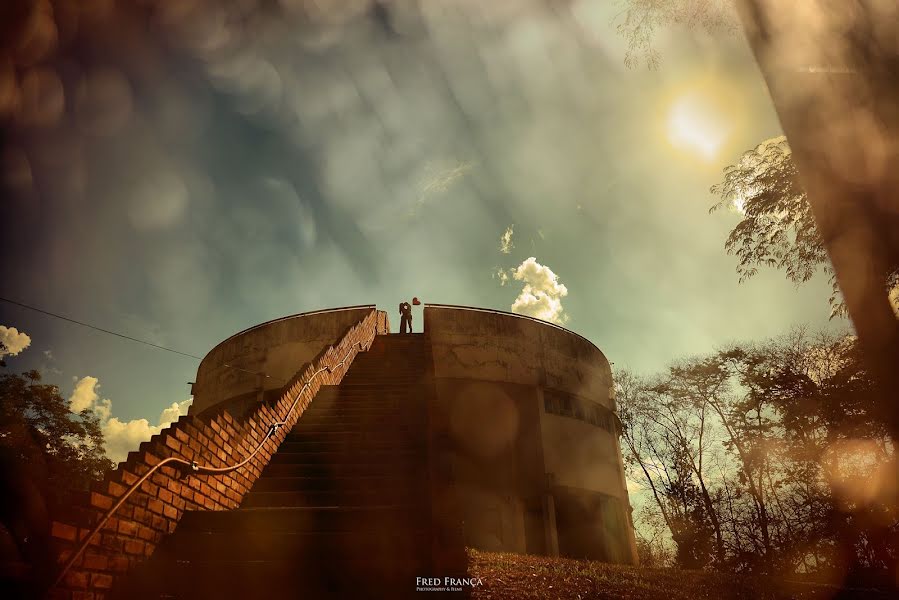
(832, 69)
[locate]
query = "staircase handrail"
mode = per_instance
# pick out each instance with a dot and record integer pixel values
(194, 467)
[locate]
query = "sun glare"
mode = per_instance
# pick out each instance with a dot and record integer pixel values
(699, 123)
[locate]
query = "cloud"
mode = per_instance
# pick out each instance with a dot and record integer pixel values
(502, 274)
(13, 340)
(121, 437)
(439, 179)
(85, 397)
(173, 412)
(505, 240)
(542, 294)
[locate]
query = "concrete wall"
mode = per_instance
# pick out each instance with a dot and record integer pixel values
(231, 374)
(493, 346)
(510, 460)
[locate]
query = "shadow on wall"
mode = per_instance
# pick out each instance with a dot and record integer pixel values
(591, 525)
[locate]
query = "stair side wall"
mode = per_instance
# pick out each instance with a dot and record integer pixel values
(230, 373)
(216, 439)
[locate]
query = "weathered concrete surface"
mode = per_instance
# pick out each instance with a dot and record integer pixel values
(508, 458)
(235, 368)
(581, 455)
(493, 346)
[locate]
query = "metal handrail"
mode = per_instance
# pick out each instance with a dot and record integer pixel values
(202, 469)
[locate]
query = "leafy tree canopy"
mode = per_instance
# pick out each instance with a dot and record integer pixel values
(777, 228)
(640, 20)
(63, 450)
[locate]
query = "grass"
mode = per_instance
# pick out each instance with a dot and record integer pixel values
(508, 576)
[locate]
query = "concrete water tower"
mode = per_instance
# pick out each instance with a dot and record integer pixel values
(520, 434)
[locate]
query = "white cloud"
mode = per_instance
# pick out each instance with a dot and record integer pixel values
(85, 397)
(124, 437)
(502, 274)
(121, 437)
(438, 179)
(14, 340)
(170, 415)
(542, 294)
(505, 240)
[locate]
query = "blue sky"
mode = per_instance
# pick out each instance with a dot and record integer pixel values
(233, 165)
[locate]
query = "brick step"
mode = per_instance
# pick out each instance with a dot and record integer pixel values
(349, 453)
(368, 401)
(376, 518)
(338, 546)
(392, 418)
(371, 399)
(351, 445)
(405, 377)
(409, 364)
(378, 365)
(368, 457)
(398, 395)
(280, 579)
(287, 469)
(364, 375)
(299, 434)
(268, 483)
(333, 497)
(380, 381)
(396, 428)
(326, 414)
(351, 410)
(380, 386)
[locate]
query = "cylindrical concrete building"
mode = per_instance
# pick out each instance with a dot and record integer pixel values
(522, 435)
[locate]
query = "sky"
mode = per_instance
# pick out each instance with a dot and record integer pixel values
(182, 172)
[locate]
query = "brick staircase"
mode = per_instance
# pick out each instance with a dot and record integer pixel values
(342, 509)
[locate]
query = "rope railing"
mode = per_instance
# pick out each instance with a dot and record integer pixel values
(198, 469)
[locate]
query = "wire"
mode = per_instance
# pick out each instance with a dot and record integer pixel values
(121, 335)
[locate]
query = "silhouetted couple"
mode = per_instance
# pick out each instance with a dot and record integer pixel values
(406, 315)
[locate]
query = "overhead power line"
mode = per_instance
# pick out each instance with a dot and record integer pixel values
(115, 333)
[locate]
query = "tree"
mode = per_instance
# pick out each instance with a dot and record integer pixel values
(639, 22)
(767, 458)
(666, 445)
(62, 449)
(777, 228)
(842, 131)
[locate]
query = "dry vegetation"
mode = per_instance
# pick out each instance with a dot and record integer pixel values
(512, 576)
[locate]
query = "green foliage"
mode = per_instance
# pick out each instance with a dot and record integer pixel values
(766, 458)
(640, 20)
(777, 228)
(63, 451)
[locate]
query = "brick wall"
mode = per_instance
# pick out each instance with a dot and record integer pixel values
(383, 323)
(216, 440)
